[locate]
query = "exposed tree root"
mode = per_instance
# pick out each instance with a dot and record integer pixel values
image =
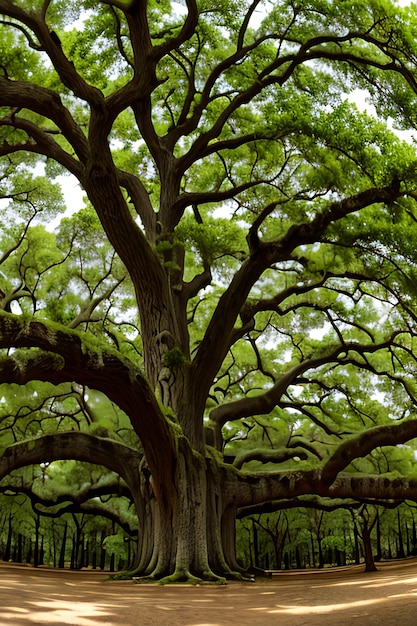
(241, 577)
(180, 575)
(183, 576)
(128, 575)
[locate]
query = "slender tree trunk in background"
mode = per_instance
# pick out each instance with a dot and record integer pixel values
(102, 552)
(389, 548)
(76, 558)
(400, 552)
(73, 564)
(8, 548)
(345, 546)
(112, 556)
(29, 553)
(82, 555)
(356, 545)
(54, 546)
(61, 563)
(329, 557)
(281, 536)
(42, 551)
(94, 553)
(19, 556)
(321, 555)
(367, 546)
(378, 555)
(280, 547)
(297, 557)
(255, 544)
(277, 557)
(313, 550)
(129, 553)
(250, 548)
(36, 560)
(86, 562)
(20, 548)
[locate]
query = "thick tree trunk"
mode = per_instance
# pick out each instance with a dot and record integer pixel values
(182, 522)
(186, 533)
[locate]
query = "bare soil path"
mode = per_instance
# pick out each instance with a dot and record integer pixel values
(346, 596)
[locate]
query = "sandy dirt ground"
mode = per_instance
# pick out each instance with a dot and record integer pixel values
(346, 596)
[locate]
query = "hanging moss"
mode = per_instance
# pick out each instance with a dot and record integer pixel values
(26, 357)
(174, 357)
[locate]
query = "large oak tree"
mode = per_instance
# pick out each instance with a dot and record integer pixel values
(253, 313)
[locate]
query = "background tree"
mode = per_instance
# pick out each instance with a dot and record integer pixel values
(239, 286)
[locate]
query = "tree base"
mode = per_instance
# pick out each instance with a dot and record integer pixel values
(183, 577)
(187, 578)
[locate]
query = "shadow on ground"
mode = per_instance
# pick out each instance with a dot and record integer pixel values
(327, 598)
